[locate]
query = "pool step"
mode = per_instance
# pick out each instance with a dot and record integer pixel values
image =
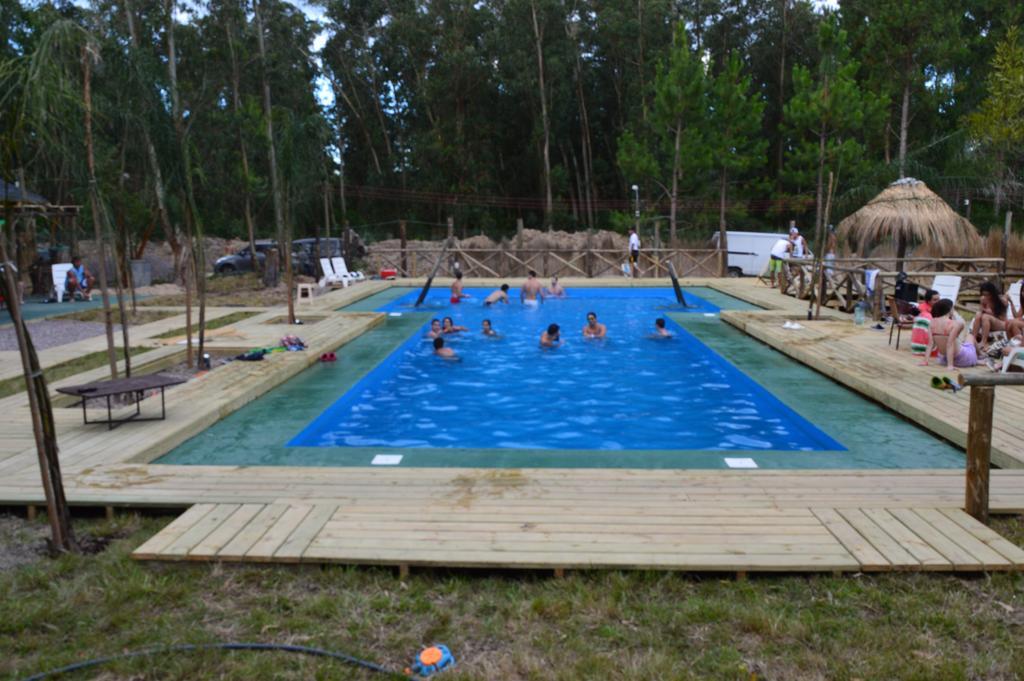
(741, 540)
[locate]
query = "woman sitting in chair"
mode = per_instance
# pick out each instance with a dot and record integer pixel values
(991, 315)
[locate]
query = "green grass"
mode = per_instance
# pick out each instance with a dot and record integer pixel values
(211, 324)
(590, 625)
(71, 367)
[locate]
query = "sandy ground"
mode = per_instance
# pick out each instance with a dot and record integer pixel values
(50, 333)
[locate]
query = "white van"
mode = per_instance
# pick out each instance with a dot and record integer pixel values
(749, 251)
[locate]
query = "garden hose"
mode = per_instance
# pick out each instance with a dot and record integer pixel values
(189, 647)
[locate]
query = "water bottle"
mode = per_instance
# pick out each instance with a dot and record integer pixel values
(859, 311)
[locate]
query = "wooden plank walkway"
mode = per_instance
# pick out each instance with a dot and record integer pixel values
(815, 539)
(862, 359)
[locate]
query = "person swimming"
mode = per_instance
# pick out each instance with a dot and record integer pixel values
(449, 326)
(659, 329)
(457, 294)
(488, 330)
(498, 296)
(555, 290)
(551, 338)
(594, 328)
(441, 351)
(435, 328)
(530, 291)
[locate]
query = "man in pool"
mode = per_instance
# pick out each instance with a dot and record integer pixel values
(488, 330)
(550, 338)
(659, 329)
(457, 294)
(435, 329)
(555, 290)
(441, 351)
(499, 296)
(594, 328)
(529, 292)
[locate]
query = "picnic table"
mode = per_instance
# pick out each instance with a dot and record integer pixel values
(137, 386)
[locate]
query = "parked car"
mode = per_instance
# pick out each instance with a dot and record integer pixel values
(748, 251)
(304, 254)
(242, 261)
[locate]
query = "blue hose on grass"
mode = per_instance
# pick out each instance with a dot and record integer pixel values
(188, 647)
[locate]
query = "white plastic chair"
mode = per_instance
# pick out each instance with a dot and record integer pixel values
(330, 277)
(1013, 293)
(60, 279)
(1015, 358)
(947, 286)
(342, 270)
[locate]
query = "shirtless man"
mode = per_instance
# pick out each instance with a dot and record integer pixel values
(946, 338)
(457, 294)
(593, 328)
(499, 296)
(550, 338)
(435, 329)
(441, 351)
(529, 293)
(659, 329)
(555, 290)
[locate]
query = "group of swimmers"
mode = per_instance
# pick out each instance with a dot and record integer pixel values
(531, 293)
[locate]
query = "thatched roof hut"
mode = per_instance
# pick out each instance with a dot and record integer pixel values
(907, 212)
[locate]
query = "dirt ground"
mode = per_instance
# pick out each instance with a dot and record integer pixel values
(21, 542)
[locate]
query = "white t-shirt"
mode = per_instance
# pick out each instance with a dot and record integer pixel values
(781, 248)
(634, 242)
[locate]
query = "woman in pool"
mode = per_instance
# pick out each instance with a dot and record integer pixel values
(550, 338)
(450, 327)
(435, 328)
(991, 313)
(946, 338)
(488, 330)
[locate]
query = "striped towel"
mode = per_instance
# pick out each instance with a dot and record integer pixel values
(921, 335)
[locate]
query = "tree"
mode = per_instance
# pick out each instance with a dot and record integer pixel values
(998, 124)
(734, 136)
(826, 115)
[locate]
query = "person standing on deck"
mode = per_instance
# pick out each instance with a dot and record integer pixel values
(530, 292)
(779, 253)
(634, 252)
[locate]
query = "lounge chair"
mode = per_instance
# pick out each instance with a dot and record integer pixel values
(330, 277)
(341, 270)
(1015, 358)
(1013, 293)
(60, 279)
(947, 286)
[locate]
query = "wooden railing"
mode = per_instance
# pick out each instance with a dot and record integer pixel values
(842, 283)
(516, 262)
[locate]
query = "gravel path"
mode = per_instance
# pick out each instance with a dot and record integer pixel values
(50, 333)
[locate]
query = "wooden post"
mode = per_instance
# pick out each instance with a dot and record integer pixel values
(451, 227)
(657, 249)
(979, 451)
(1005, 247)
(589, 258)
(519, 240)
(402, 239)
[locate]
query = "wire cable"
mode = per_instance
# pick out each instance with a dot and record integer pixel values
(196, 647)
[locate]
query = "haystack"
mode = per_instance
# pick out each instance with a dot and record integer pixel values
(908, 212)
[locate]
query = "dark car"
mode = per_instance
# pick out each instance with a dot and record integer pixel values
(304, 254)
(242, 261)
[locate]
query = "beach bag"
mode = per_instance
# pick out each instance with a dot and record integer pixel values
(921, 335)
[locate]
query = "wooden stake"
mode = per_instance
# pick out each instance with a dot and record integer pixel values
(404, 244)
(403, 572)
(31, 512)
(979, 451)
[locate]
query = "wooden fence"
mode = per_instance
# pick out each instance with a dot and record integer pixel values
(843, 283)
(516, 262)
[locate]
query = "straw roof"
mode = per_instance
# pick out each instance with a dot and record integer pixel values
(908, 211)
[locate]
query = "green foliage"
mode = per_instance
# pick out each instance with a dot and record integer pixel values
(999, 120)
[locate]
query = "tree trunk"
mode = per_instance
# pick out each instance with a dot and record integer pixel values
(94, 201)
(236, 98)
(193, 220)
(154, 162)
(283, 248)
(538, 39)
(819, 196)
(904, 127)
(43, 427)
(674, 195)
(723, 236)
(780, 147)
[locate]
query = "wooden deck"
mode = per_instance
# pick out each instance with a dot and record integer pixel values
(814, 539)
(551, 518)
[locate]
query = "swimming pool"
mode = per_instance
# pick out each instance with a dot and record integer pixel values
(868, 435)
(626, 391)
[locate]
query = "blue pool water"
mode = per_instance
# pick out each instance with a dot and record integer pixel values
(625, 392)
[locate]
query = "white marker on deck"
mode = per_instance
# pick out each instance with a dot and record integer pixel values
(394, 314)
(710, 314)
(740, 463)
(386, 460)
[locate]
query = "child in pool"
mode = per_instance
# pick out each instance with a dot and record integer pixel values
(488, 330)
